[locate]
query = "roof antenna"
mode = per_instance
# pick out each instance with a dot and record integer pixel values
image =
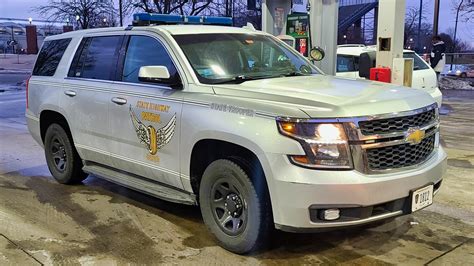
(249, 26)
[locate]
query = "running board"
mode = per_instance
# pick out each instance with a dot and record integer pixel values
(141, 184)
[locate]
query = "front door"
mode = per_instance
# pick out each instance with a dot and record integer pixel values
(145, 117)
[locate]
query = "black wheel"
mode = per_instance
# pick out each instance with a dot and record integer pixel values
(233, 209)
(463, 75)
(62, 158)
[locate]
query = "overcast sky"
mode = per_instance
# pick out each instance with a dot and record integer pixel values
(23, 9)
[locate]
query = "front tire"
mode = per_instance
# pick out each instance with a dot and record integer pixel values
(234, 210)
(62, 158)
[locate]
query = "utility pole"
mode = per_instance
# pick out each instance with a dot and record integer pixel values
(418, 41)
(436, 18)
(13, 41)
(456, 25)
(121, 13)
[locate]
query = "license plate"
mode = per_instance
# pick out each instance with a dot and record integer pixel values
(421, 198)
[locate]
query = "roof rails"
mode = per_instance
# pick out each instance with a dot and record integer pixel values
(146, 19)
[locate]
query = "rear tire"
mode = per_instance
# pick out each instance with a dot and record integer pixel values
(236, 211)
(62, 158)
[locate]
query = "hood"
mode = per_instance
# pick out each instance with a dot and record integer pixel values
(327, 96)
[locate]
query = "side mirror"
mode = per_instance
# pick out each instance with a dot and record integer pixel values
(158, 74)
(366, 62)
(317, 53)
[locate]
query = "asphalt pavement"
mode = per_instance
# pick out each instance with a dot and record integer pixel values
(12, 78)
(43, 222)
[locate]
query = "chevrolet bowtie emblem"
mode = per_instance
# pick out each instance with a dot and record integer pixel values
(414, 136)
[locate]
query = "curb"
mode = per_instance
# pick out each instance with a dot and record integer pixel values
(6, 71)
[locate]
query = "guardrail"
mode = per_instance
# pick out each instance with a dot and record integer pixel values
(460, 58)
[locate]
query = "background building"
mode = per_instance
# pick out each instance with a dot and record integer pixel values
(15, 29)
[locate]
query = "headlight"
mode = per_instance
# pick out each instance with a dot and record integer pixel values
(325, 144)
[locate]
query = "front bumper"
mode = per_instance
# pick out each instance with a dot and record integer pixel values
(295, 192)
(437, 96)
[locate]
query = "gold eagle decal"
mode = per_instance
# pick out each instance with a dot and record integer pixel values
(152, 138)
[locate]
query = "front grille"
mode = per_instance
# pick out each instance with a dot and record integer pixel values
(399, 156)
(396, 124)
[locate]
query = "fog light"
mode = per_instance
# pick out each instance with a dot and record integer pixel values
(331, 214)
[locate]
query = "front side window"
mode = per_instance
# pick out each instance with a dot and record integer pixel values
(49, 57)
(225, 57)
(145, 51)
(98, 59)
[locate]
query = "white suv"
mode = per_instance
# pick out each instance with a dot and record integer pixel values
(237, 122)
(424, 77)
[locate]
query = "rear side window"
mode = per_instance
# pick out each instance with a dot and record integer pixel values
(347, 63)
(49, 57)
(96, 58)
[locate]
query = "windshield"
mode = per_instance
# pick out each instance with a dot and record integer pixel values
(225, 57)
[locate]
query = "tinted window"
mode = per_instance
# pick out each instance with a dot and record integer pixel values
(145, 51)
(418, 63)
(49, 57)
(98, 59)
(347, 63)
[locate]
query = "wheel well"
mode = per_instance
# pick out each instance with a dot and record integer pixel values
(208, 150)
(48, 117)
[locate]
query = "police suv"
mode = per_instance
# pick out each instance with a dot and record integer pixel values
(235, 121)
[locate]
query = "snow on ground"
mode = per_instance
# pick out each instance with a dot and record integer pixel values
(455, 83)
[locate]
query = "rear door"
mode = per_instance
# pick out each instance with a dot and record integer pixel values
(87, 95)
(145, 118)
(424, 76)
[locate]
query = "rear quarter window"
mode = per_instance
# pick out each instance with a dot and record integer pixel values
(347, 63)
(418, 63)
(49, 57)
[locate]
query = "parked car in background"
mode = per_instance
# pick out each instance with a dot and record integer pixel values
(424, 77)
(462, 71)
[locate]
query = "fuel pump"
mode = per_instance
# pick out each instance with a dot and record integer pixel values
(298, 34)
(297, 26)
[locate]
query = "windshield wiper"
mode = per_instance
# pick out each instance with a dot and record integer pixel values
(240, 79)
(294, 73)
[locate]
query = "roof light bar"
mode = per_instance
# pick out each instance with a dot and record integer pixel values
(144, 19)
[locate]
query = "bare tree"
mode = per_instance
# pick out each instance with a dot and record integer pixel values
(411, 23)
(238, 10)
(86, 13)
(459, 4)
(454, 47)
(467, 11)
(182, 7)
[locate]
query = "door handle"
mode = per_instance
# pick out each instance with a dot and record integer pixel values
(70, 93)
(119, 101)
